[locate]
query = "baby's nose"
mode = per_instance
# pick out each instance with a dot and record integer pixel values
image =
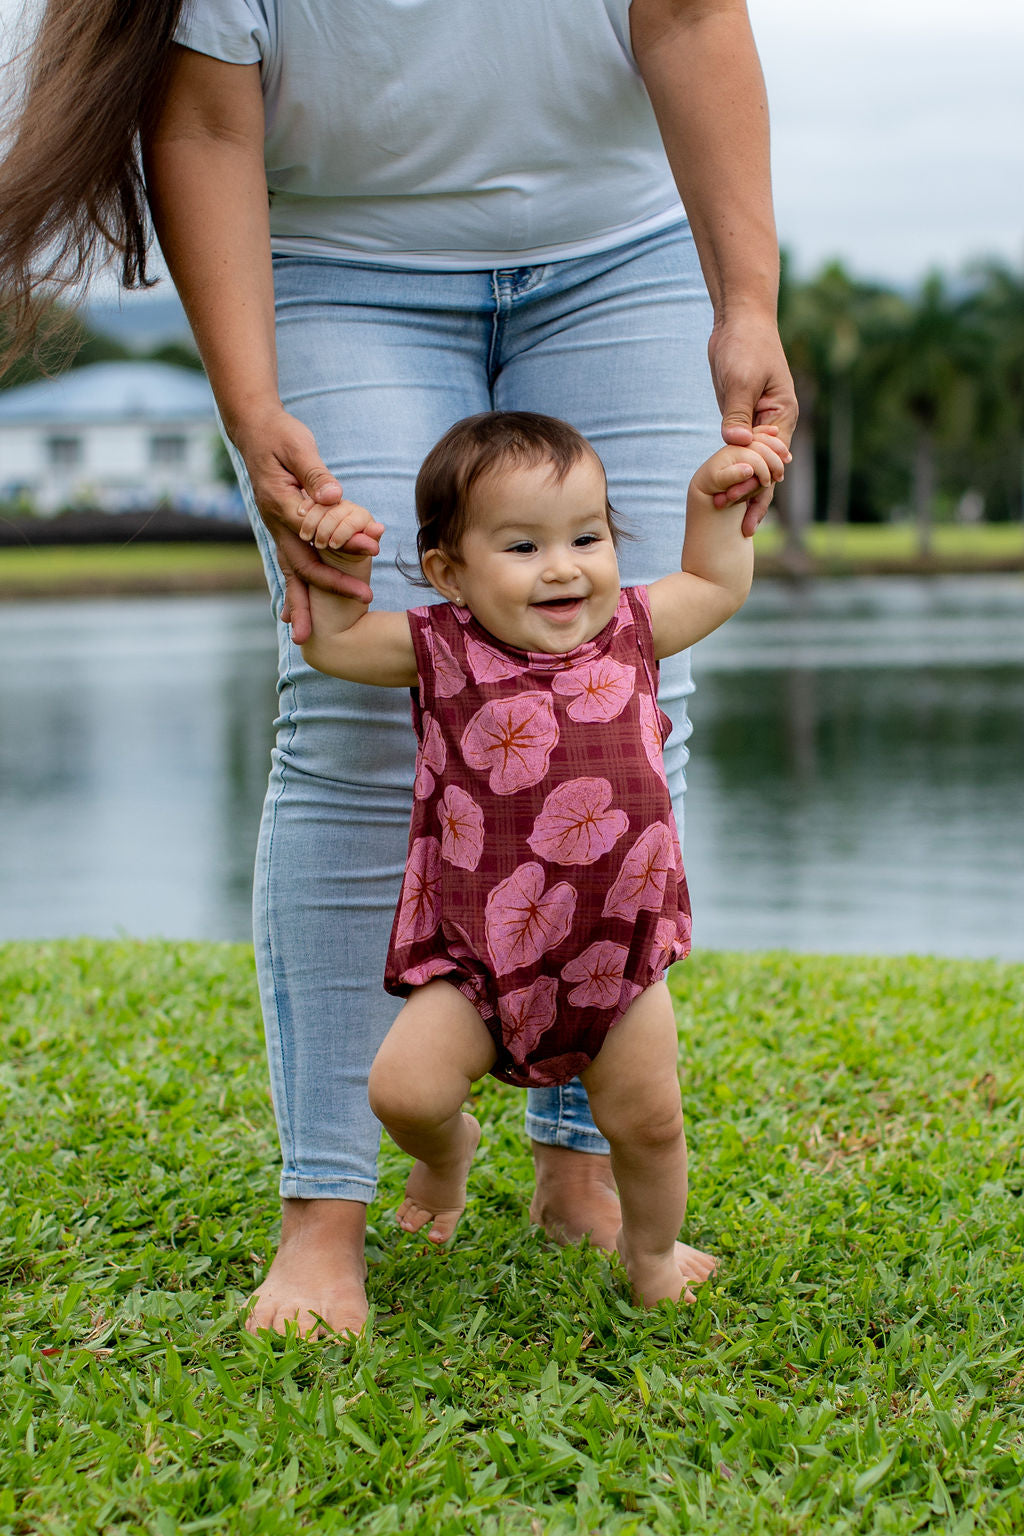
(561, 566)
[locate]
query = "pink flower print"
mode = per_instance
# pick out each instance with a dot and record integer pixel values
(526, 1014)
(419, 910)
(677, 854)
(459, 943)
(599, 970)
(640, 883)
(419, 975)
(432, 755)
(512, 740)
(651, 736)
(623, 615)
(449, 678)
(462, 828)
(599, 689)
(558, 1069)
(522, 920)
(575, 825)
(630, 992)
(423, 784)
(488, 665)
(671, 941)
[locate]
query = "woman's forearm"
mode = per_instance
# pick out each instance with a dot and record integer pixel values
(208, 195)
(702, 73)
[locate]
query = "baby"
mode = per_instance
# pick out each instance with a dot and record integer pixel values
(544, 896)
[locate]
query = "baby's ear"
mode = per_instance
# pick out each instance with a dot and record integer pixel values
(442, 572)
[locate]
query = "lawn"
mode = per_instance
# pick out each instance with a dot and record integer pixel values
(883, 547)
(100, 570)
(857, 1367)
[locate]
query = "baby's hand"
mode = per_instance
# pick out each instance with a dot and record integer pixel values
(346, 527)
(733, 475)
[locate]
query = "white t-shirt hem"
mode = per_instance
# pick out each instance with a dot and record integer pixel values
(479, 261)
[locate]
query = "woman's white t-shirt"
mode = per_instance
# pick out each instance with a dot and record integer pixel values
(448, 134)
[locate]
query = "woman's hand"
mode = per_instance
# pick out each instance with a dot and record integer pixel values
(755, 389)
(287, 475)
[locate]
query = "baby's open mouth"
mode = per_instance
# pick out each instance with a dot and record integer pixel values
(557, 603)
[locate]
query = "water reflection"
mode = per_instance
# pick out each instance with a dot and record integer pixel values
(856, 782)
(132, 764)
(858, 775)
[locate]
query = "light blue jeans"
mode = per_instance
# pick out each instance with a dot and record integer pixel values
(379, 362)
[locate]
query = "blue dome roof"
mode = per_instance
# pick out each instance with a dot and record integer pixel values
(111, 392)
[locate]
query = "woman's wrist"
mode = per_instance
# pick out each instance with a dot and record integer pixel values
(248, 419)
(753, 300)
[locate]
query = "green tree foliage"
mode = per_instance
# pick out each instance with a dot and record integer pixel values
(912, 403)
(997, 306)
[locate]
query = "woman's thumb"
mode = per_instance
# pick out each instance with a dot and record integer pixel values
(738, 421)
(321, 485)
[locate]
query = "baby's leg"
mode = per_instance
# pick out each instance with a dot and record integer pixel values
(434, 1052)
(633, 1086)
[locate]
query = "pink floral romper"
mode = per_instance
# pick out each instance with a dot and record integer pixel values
(544, 877)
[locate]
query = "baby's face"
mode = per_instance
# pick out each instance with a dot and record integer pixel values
(538, 567)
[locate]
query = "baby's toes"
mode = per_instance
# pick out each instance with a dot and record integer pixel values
(412, 1217)
(696, 1267)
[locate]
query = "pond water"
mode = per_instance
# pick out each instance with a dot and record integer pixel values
(857, 779)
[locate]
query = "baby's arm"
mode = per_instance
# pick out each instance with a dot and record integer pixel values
(347, 640)
(718, 562)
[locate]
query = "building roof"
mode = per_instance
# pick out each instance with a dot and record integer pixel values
(102, 392)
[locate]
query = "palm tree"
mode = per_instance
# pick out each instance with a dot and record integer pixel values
(998, 308)
(930, 358)
(795, 500)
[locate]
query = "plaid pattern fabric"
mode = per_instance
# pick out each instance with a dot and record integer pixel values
(544, 877)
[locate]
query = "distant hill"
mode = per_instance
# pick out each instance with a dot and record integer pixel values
(149, 326)
(141, 322)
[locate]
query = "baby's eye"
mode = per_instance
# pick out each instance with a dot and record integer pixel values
(587, 538)
(524, 547)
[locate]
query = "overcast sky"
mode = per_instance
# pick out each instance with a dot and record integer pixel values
(898, 130)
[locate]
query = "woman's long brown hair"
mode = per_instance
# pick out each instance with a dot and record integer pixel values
(72, 196)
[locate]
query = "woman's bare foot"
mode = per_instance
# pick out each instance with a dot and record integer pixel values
(576, 1197)
(654, 1279)
(437, 1195)
(317, 1278)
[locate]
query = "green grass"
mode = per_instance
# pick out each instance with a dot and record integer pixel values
(101, 569)
(871, 546)
(858, 1366)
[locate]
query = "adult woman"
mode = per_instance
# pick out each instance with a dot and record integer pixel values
(470, 206)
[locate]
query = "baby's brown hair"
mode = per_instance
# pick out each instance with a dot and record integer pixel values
(475, 447)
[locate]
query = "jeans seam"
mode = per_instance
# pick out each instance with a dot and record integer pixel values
(494, 347)
(290, 1159)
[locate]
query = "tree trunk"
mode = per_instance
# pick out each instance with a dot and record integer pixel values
(924, 489)
(794, 500)
(840, 451)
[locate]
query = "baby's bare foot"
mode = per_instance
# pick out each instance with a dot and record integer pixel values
(655, 1279)
(576, 1198)
(317, 1278)
(438, 1197)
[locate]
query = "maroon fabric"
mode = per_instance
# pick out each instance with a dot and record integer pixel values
(544, 877)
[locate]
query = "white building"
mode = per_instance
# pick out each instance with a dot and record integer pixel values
(117, 436)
